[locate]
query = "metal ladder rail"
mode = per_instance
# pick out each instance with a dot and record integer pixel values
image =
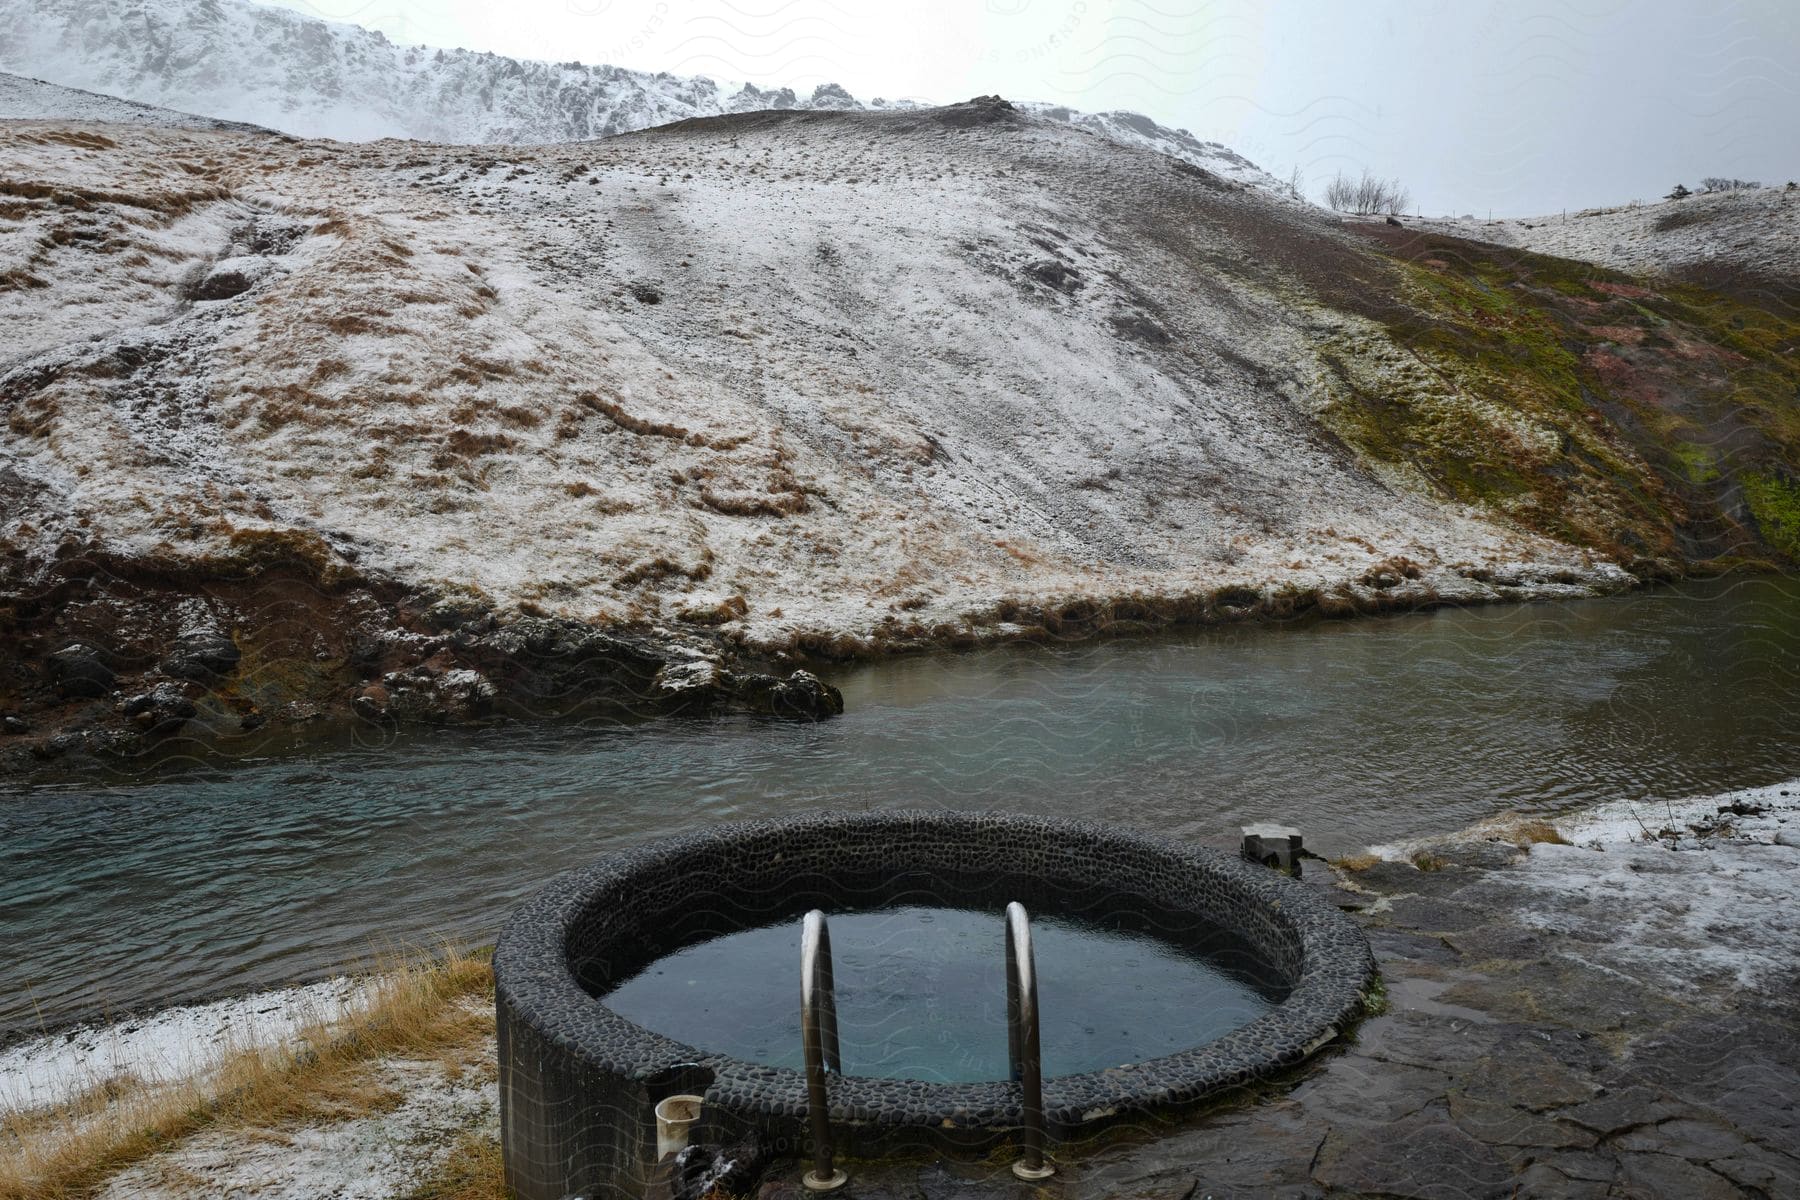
(1024, 1053)
(819, 1045)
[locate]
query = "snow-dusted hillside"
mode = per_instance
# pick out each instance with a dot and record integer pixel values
(294, 427)
(837, 370)
(1754, 230)
(34, 99)
(279, 68)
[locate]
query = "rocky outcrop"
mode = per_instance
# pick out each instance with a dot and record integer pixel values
(116, 665)
(801, 696)
(80, 671)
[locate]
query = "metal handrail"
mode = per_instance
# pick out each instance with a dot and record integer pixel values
(1023, 1051)
(819, 1044)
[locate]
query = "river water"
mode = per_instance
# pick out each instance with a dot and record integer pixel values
(193, 882)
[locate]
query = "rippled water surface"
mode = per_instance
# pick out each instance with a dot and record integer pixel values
(201, 881)
(921, 994)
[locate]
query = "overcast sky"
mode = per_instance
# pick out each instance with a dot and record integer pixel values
(1520, 106)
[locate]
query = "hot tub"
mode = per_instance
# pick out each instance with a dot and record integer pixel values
(579, 1082)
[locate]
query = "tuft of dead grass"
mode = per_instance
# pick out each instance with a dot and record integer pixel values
(1530, 833)
(471, 1172)
(1524, 832)
(323, 1074)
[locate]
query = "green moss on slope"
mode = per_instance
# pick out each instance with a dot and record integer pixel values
(1611, 412)
(1775, 503)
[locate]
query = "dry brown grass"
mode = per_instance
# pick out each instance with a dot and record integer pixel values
(324, 1074)
(1522, 831)
(1530, 833)
(471, 1172)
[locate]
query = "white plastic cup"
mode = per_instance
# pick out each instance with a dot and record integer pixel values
(675, 1116)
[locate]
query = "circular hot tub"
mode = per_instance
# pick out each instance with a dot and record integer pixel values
(579, 1082)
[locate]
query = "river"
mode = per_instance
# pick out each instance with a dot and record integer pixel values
(192, 881)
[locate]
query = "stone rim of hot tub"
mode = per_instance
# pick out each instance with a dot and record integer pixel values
(545, 1008)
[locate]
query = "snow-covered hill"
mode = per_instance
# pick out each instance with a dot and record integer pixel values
(1752, 230)
(406, 429)
(279, 68)
(837, 367)
(34, 99)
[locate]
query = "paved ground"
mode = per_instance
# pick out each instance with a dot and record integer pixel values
(1518, 1056)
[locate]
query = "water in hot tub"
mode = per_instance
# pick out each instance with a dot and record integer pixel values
(921, 993)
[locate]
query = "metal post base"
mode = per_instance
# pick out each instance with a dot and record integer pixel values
(812, 1181)
(1033, 1173)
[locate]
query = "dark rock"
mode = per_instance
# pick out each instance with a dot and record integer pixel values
(712, 1173)
(87, 745)
(945, 1180)
(12, 724)
(229, 277)
(1683, 1137)
(1424, 1155)
(372, 702)
(1370, 1090)
(692, 683)
(980, 110)
(79, 670)
(1499, 941)
(1423, 1039)
(1406, 946)
(1437, 916)
(1617, 1111)
(162, 709)
(1502, 1124)
(453, 613)
(546, 656)
(1744, 1069)
(1059, 276)
(1393, 220)
(465, 695)
(646, 293)
(1762, 1169)
(1591, 1166)
(1390, 876)
(802, 696)
(1536, 1077)
(1542, 1179)
(1192, 172)
(1139, 328)
(1650, 1176)
(202, 655)
(429, 696)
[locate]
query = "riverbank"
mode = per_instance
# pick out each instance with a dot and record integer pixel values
(284, 660)
(1600, 1006)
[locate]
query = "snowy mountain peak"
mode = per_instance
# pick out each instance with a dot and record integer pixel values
(274, 67)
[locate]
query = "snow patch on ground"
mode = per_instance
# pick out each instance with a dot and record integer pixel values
(365, 1158)
(1678, 896)
(169, 1046)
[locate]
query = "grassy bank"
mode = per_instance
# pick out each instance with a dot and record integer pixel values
(433, 1014)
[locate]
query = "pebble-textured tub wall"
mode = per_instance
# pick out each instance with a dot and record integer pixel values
(578, 1082)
